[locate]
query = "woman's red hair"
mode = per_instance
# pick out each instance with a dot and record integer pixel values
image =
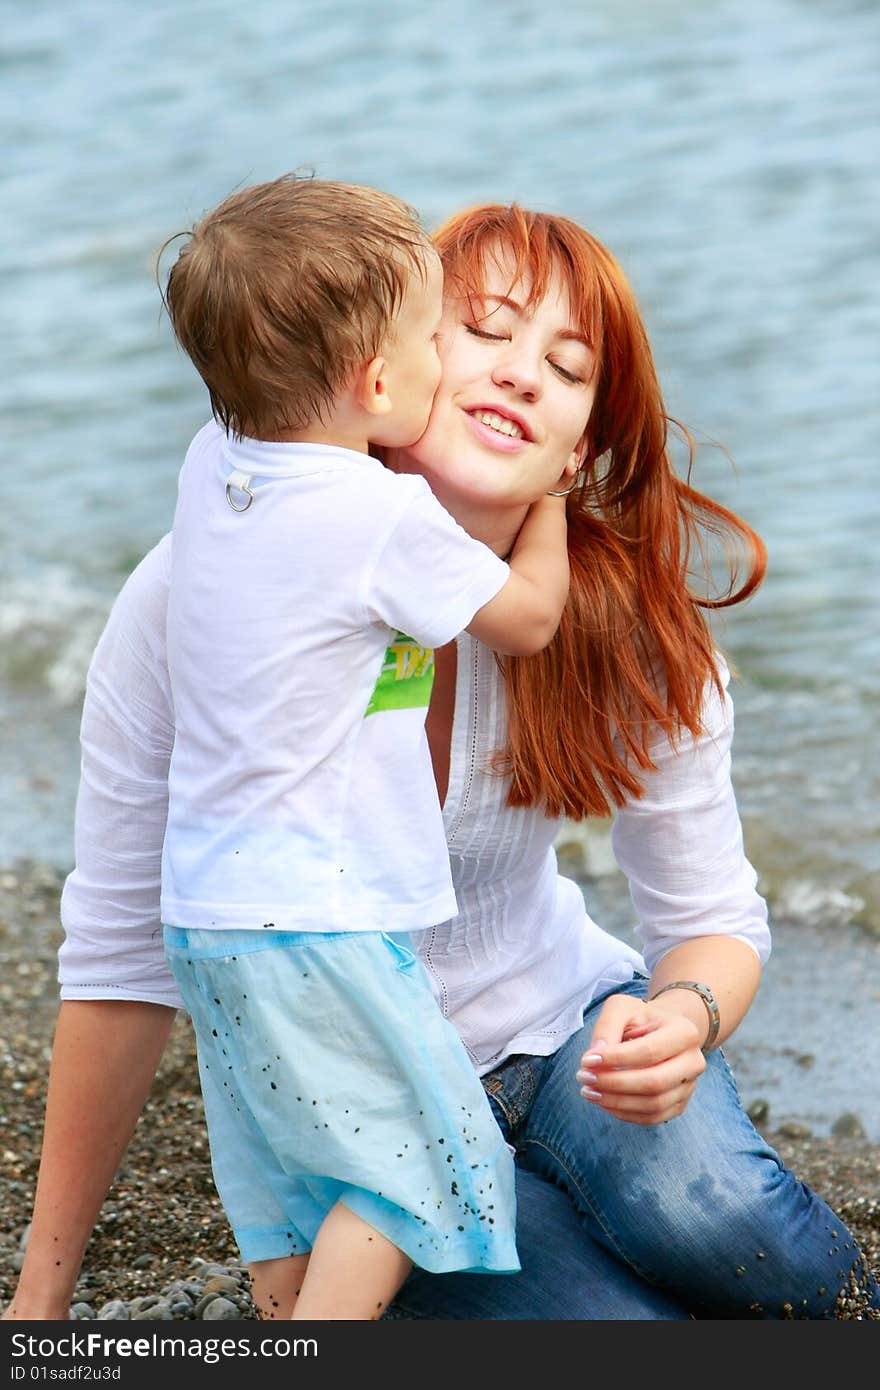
(633, 653)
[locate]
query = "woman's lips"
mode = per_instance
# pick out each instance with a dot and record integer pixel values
(504, 443)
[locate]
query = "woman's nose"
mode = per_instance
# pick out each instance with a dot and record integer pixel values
(517, 371)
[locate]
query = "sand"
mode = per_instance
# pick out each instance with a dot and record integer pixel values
(163, 1208)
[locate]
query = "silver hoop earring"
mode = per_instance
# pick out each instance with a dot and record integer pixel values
(567, 490)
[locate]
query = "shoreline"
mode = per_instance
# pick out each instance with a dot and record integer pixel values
(162, 1216)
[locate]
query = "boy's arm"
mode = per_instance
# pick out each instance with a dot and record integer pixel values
(104, 1059)
(523, 616)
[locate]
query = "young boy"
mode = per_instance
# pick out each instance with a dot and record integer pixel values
(308, 587)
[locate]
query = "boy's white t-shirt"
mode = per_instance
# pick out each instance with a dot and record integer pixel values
(300, 637)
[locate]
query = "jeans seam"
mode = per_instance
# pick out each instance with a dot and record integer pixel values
(514, 1111)
(527, 1089)
(587, 1201)
(497, 1094)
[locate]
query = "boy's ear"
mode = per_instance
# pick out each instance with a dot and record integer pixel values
(371, 387)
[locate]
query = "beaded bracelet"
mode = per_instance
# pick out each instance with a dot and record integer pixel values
(708, 999)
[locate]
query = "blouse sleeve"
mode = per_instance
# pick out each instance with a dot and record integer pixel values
(680, 845)
(112, 947)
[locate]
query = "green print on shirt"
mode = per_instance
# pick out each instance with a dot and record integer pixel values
(406, 677)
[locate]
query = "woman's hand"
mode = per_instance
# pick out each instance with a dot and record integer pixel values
(643, 1061)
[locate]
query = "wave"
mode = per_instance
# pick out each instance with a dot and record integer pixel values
(807, 888)
(48, 630)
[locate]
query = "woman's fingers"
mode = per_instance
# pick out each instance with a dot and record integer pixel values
(633, 1033)
(661, 1101)
(619, 1013)
(634, 1114)
(642, 1063)
(667, 1078)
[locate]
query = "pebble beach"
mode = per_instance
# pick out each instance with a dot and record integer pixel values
(162, 1249)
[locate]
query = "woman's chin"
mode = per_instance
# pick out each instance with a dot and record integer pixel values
(458, 477)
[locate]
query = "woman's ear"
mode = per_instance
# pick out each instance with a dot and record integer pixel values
(572, 468)
(578, 454)
(371, 387)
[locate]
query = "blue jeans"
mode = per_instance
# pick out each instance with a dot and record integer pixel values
(697, 1217)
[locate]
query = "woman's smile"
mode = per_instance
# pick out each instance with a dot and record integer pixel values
(499, 428)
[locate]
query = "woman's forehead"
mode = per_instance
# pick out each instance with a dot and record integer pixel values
(500, 271)
(505, 288)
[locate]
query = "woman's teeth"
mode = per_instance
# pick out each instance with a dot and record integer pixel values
(499, 423)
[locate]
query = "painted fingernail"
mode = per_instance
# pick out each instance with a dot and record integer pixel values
(592, 1059)
(590, 1095)
(587, 1076)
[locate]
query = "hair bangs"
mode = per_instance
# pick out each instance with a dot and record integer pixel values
(536, 245)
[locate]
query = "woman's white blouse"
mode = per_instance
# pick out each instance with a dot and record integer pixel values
(517, 966)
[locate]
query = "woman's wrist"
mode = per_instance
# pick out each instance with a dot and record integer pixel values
(708, 1022)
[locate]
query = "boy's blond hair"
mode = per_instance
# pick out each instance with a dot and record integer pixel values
(282, 291)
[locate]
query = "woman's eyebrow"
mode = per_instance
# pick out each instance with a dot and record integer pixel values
(568, 335)
(503, 299)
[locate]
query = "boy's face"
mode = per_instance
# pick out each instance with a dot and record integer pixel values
(412, 366)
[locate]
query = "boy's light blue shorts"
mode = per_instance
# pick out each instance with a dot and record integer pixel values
(329, 1074)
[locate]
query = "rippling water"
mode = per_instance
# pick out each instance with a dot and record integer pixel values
(725, 151)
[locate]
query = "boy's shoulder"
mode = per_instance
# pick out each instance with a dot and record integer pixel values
(210, 436)
(366, 491)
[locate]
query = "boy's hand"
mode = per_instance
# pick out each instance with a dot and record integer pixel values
(523, 617)
(549, 503)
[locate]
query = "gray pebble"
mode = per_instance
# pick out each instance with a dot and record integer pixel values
(114, 1311)
(758, 1112)
(147, 1300)
(222, 1283)
(204, 1301)
(220, 1308)
(143, 1261)
(795, 1129)
(176, 1286)
(17, 1260)
(81, 1311)
(157, 1312)
(208, 1271)
(848, 1126)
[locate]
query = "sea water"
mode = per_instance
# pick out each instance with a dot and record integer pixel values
(724, 149)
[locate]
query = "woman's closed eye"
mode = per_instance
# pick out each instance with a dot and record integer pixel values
(566, 374)
(481, 333)
(561, 371)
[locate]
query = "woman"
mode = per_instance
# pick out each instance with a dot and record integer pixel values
(644, 1190)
